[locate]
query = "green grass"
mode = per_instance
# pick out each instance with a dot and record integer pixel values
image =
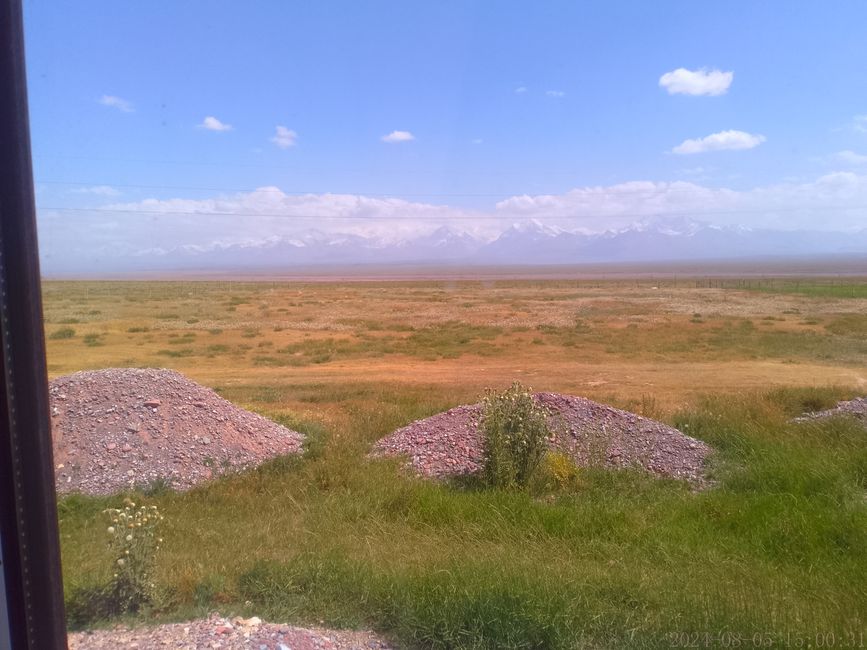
(814, 288)
(617, 559)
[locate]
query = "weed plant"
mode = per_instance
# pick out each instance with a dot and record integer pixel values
(515, 429)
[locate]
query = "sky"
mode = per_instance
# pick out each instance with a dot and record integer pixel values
(175, 123)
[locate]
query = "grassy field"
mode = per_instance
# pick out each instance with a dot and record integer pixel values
(775, 554)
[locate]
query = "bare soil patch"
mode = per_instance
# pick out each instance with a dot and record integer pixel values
(118, 428)
(451, 444)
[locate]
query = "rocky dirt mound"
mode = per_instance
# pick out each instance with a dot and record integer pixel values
(122, 427)
(450, 444)
(856, 408)
(234, 634)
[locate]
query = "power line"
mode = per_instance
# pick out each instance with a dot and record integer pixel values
(271, 189)
(476, 217)
(588, 190)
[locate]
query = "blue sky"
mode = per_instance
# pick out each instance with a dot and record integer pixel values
(119, 93)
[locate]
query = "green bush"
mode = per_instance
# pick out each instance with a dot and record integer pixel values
(63, 333)
(515, 428)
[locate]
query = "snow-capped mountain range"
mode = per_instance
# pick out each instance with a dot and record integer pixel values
(524, 243)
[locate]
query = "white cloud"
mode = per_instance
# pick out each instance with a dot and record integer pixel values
(696, 82)
(284, 138)
(477, 141)
(851, 158)
(268, 211)
(555, 93)
(724, 140)
(213, 124)
(116, 102)
(520, 90)
(398, 136)
(859, 123)
(98, 190)
(832, 202)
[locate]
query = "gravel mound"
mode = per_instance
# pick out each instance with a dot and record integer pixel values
(122, 427)
(234, 634)
(450, 443)
(856, 408)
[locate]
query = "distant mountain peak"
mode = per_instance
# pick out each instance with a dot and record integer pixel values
(672, 226)
(525, 242)
(532, 227)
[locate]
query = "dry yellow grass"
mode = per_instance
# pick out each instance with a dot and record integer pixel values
(609, 340)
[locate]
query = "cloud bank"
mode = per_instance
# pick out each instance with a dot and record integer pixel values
(833, 202)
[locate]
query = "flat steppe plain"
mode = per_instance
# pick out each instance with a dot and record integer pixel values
(778, 547)
(618, 340)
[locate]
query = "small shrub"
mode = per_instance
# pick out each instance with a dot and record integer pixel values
(515, 429)
(136, 330)
(157, 487)
(133, 543)
(184, 352)
(180, 340)
(557, 472)
(63, 333)
(92, 340)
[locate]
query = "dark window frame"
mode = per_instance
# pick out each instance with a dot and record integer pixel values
(29, 542)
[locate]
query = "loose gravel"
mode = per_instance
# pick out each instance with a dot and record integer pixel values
(856, 408)
(450, 444)
(123, 427)
(226, 634)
